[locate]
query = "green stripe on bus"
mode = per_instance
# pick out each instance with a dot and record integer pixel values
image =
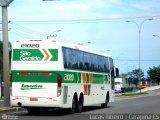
(54, 53)
(67, 77)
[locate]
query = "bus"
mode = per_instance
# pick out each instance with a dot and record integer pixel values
(53, 74)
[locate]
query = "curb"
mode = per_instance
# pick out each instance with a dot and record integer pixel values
(9, 109)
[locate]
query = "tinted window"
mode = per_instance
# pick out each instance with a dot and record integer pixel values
(74, 59)
(66, 57)
(106, 65)
(87, 61)
(94, 62)
(80, 60)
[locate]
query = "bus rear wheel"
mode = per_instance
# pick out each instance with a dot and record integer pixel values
(80, 104)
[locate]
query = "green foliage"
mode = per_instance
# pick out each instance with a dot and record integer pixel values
(134, 94)
(129, 89)
(154, 74)
(135, 75)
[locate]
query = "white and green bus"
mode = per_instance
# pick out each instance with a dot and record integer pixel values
(51, 74)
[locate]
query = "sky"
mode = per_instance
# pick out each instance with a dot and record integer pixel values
(101, 22)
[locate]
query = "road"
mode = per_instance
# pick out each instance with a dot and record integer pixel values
(141, 105)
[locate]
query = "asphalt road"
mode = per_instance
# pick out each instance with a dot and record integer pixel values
(142, 105)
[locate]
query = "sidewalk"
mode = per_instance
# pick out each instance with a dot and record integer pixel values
(152, 91)
(4, 109)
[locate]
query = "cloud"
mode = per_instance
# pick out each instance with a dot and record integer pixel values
(72, 7)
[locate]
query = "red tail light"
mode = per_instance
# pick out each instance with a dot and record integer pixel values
(45, 74)
(24, 73)
(10, 80)
(59, 81)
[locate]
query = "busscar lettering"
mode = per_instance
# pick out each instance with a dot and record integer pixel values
(30, 45)
(29, 87)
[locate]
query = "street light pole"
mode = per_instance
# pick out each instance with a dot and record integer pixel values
(52, 34)
(139, 37)
(156, 36)
(4, 4)
(83, 43)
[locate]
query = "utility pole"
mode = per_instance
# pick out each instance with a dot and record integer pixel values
(4, 4)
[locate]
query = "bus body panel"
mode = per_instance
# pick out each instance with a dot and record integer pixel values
(35, 68)
(26, 89)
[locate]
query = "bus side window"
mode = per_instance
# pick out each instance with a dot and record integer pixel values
(94, 62)
(106, 65)
(86, 61)
(64, 57)
(73, 59)
(65, 64)
(80, 60)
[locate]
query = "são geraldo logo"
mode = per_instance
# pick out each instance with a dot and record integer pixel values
(29, 55)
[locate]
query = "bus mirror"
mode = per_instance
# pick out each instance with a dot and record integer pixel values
(117, 72)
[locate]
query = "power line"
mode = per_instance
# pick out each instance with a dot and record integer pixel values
(87, 20)
(22, 33)
(26, 30)
(136, 60)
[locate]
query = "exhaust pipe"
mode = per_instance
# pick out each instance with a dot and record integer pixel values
(19, 104)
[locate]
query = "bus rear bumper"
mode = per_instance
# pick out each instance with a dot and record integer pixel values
(35, 102)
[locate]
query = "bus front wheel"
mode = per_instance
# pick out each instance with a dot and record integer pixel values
(105, 105)
(74, 104)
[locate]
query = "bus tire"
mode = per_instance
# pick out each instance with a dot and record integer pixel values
(105, 105)
(80, 104)
(74, 105)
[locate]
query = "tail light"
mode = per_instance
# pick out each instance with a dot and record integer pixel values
(45, 74)
(59, 85)
(24, 73)
(10, 80)
(59, 81)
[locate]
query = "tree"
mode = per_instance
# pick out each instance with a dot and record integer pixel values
(154, 74)
(135, 76)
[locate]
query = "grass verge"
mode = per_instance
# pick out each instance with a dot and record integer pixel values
(134, 94)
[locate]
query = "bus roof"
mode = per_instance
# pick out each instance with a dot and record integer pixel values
(63, 44)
